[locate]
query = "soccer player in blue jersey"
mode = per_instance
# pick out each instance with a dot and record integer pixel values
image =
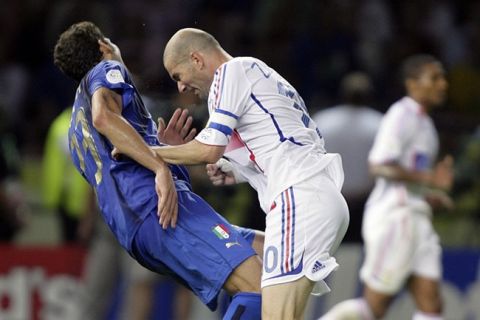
(191, 242)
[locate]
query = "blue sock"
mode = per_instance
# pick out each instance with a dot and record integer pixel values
(244, 306)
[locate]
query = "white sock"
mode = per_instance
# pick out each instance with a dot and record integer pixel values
(418, 315)
(354, 309)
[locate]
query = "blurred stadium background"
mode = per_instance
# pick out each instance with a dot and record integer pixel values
(311, 43)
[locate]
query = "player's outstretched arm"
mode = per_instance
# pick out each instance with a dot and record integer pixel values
(107, 119)
(393, 171)
(441, 177)
(193, 152)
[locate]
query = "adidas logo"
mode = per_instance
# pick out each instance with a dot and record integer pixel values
(317, 266)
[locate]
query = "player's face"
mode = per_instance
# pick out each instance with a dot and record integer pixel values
(431, 85)
(189, 79)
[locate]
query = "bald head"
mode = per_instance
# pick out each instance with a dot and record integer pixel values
(185, 41)
(191, 58)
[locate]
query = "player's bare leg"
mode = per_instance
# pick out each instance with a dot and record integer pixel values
(377, 301)
(286, 301)
(244, 286)
(182, 306)
(246, 277)
(426, 293)
(139, 300)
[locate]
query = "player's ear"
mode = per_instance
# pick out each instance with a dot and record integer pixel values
(410, 84)
(197, 60)
(104, 47)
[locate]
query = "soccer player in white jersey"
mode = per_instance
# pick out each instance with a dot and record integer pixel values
(401, 246)
(260, 125)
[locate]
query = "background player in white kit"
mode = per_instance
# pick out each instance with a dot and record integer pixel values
(401, 246)
(261, 125)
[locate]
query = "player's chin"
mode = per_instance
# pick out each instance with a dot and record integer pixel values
(440, 99)
(201, 95)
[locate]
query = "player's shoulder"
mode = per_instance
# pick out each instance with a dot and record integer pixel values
(107, 67)
(242, 60)
(403, 115)
(109, 72)
(244, 63)
(234, 69)
(403, 108)
(108, 64)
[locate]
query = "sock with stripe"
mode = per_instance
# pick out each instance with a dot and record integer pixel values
(354, 309)
(244, 306)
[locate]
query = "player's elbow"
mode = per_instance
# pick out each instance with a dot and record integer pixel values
(373, 170)
(100, 121)
(106, 104)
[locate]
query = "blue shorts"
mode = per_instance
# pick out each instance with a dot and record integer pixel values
(201, 252)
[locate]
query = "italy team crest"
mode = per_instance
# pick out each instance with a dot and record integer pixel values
(221, 231)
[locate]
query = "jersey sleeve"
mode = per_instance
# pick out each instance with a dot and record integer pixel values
(112, 76)
(392, 136)
(227, 100)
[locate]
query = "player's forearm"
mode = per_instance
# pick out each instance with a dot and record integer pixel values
(397, 173)
(193, 152)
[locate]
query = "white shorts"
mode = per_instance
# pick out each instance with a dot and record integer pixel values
(399, 242)
(303, 229)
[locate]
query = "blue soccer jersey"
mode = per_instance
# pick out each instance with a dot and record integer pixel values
(204, 249)
(124, 188)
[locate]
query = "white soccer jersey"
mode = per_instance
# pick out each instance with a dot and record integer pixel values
(408, 138)
(269, 135)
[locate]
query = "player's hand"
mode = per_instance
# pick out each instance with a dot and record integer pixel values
(439, 199)
(179, 129)
(442, 177)
(219, 177)
(167, 198)
(105, 42)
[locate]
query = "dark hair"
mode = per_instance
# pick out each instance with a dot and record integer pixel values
(412, 66)
(356, 89)
(77, 49)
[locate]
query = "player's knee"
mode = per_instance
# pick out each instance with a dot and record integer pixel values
(377, 302)
(378, 307)
(378, 311)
